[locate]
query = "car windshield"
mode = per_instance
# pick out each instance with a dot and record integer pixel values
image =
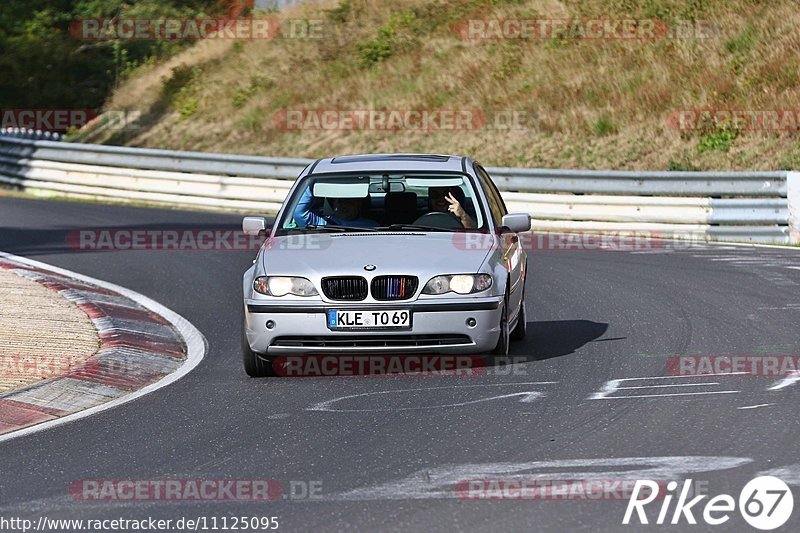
(384, 202)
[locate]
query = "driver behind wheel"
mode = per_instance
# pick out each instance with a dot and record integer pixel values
(449, 200)
(346, 212)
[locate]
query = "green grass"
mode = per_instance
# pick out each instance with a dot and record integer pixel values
(720, 140)
(604, 126)
(744, 42)
(611, 98)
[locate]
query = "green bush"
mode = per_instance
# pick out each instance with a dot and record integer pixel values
(743, 42)
(375, 50)
(44, 65)
(341, 13)
(604, 126)
(243, 94)
(718, 140)
(400, 32)
(179, 90)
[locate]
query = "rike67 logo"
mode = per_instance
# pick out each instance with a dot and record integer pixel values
(766, 503)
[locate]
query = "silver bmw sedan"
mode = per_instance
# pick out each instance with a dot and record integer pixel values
(386, 254)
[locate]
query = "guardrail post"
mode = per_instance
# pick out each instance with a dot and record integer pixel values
(793, 192)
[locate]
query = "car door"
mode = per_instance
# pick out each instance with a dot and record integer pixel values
(513, 254)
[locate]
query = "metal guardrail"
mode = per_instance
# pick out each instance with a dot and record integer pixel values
(744, 206)
(660, 183)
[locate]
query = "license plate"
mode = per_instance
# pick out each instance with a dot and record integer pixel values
(355, 319)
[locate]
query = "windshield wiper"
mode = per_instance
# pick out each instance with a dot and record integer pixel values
(394, 227)
(336, 227)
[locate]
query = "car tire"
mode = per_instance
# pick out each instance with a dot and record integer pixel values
(501, 349)
(522, 325)
(254, 366)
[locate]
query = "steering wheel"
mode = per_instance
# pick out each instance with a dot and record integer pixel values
(440, 220)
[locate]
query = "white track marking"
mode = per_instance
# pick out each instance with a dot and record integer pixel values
(685, 377)
(440, 482)
(613, 385)
(752, 245)
(196, 346)
(790, 379)
(756, 406)
(652, 252)
(788, 474)
(742, 259)
(787, 307)
(528, 397)
(667, 386)
(667, 395)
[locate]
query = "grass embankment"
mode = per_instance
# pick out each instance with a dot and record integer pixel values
(590, 103)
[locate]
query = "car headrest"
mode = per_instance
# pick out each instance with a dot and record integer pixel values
(400, 201)
(400, 207)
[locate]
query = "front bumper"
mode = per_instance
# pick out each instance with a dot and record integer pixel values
(437, 327)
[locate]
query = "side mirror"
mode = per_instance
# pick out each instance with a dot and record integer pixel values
(517, 222)
(254, 225)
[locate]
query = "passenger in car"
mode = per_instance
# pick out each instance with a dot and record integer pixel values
(346, 212)
(446, 199)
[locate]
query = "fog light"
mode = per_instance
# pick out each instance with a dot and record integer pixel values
(270, 324)
(471, 322)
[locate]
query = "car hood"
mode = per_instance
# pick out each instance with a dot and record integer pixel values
(334, 254)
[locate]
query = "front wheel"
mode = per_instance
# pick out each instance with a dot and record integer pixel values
(501, 349)
(254, 366)
(522, 325)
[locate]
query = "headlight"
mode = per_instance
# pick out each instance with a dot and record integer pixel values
(281, 286)
(458, 283)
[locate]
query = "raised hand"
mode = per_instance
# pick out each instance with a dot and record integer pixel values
(457, 210)
(455, 206)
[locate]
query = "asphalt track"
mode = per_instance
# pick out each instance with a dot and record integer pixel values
(389, 461)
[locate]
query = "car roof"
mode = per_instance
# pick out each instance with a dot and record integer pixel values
(391, 163)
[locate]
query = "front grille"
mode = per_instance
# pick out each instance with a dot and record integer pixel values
(394, 287)
(370, 341)
(350, 288)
